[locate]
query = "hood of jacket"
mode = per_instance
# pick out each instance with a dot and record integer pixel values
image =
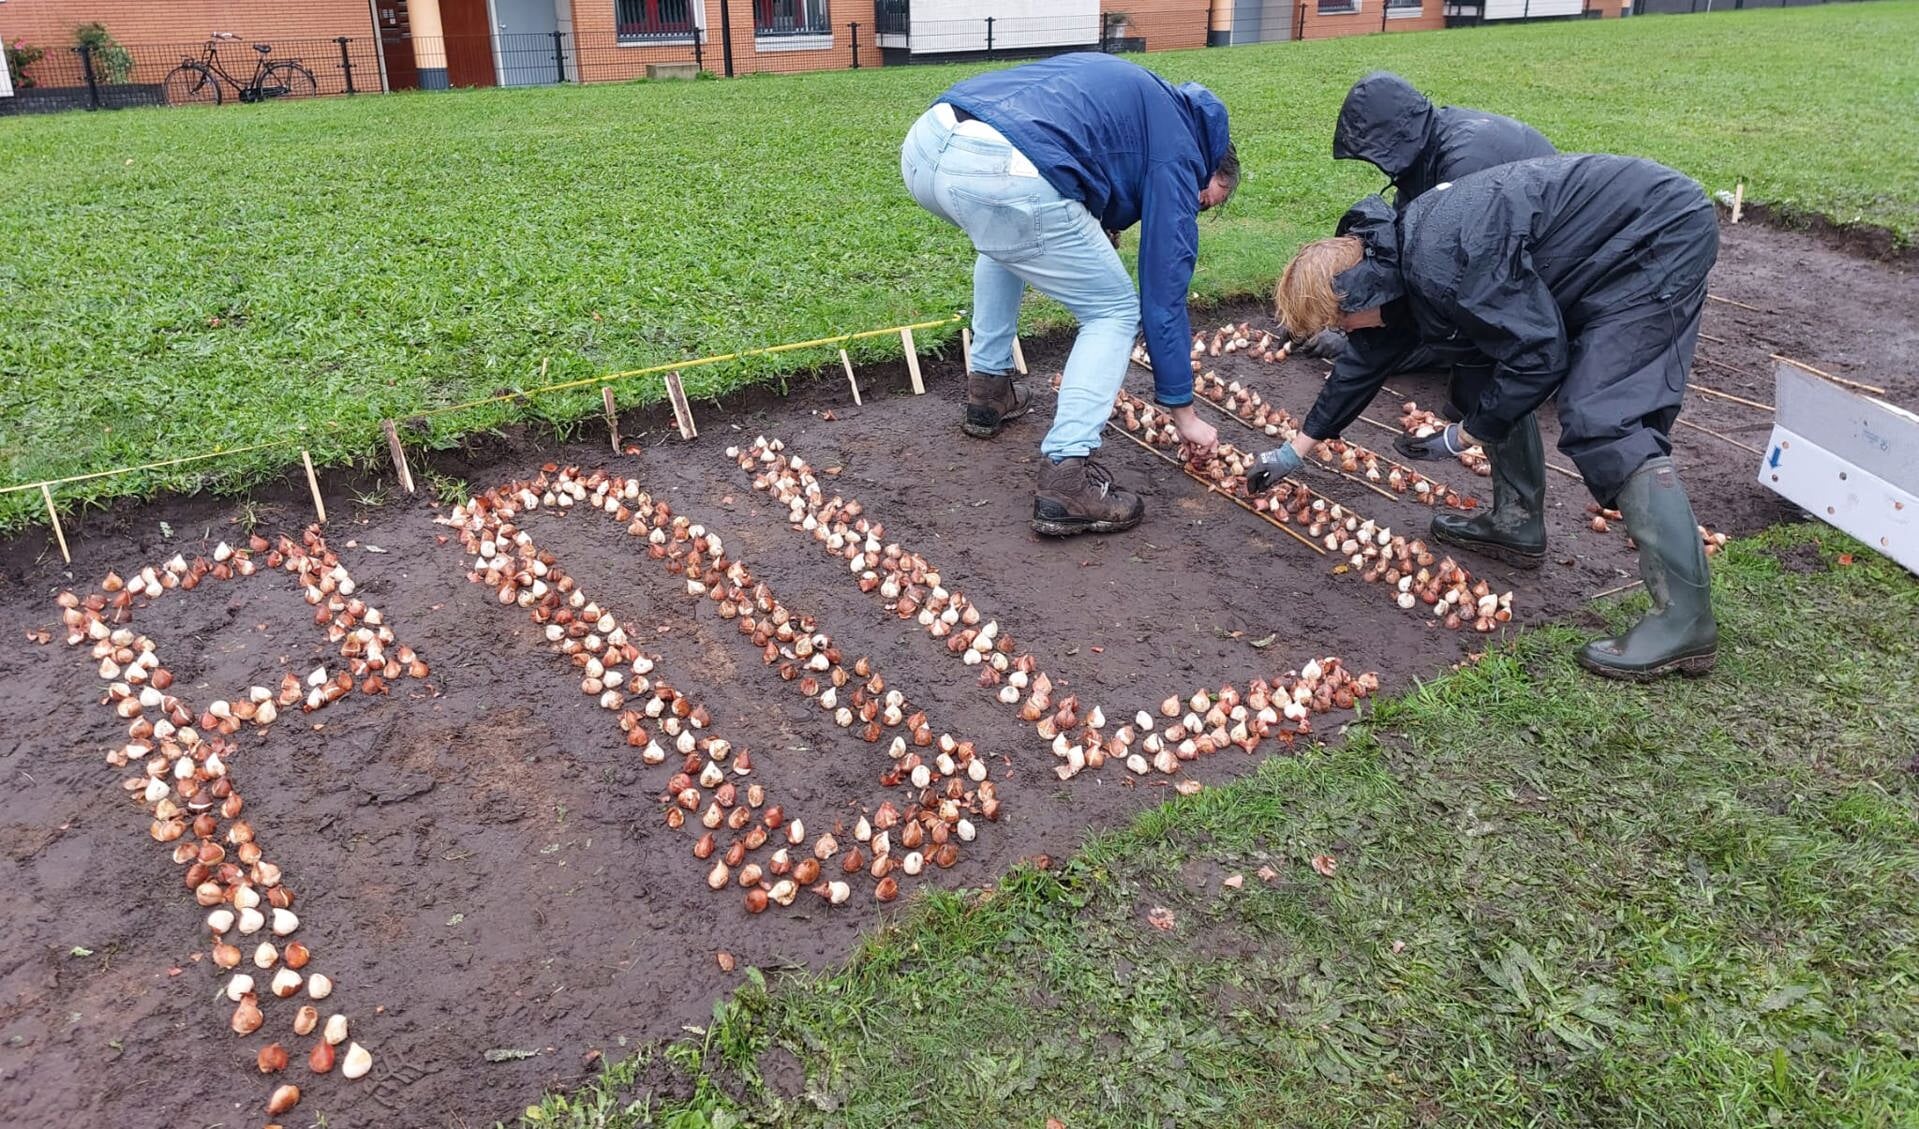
(1384, 121)
(1376, 280)
(1209, 123)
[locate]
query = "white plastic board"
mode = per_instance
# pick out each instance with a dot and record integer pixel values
(1850, 460)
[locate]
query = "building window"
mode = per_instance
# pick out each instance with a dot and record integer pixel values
(1404, 7)
(1338, 7)
(790, 17)
(637, 21)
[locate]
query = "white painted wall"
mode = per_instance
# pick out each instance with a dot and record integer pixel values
(941, 26)
(1515, 9)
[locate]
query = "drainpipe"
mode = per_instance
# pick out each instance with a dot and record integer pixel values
(1219, 30)
(429, 43)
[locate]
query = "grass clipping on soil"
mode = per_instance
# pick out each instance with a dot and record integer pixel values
(1518, 896)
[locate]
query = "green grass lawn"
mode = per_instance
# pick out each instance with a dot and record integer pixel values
(176, 281)
(1556, 902)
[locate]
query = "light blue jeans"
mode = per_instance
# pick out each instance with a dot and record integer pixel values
(1027, 234)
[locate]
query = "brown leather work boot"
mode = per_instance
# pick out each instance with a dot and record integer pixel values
(1077, 496)
(991, 403)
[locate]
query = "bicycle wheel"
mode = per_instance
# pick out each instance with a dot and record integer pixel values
(287, 80)
(191, 84)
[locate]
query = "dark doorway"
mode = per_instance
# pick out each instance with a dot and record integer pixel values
(396, 46)
(469, 42)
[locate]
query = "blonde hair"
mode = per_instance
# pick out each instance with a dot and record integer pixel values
(1305, 299)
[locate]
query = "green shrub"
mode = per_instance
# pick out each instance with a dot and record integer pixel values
(20, 56)
(111, 62)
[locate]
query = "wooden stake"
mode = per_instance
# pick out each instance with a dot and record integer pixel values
(1717, 394)
(912, 362)
(966, 347)
(1738, 200)
(1567, 471)
(612, 417)
(846, 363)
(398, 452)
(53, 515)
(1872, 388)
(1720, 437)
(1019, 356)
(1741, 305)
(313, 484)
(682, 411)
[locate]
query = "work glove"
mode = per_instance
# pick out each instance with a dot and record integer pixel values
(1437, 447)
(1272, 466)
(1327, 345)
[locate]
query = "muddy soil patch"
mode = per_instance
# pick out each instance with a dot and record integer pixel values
(483, 860)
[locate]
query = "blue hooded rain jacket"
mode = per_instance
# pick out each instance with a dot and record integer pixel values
(1134, 149)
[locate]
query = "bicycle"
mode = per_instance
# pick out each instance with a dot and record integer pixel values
(198, 80)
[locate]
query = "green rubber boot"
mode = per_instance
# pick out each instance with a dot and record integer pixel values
(1514, 530)
(1679, 634)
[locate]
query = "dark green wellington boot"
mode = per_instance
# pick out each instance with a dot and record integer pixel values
(1514, 530)
(1679, 634)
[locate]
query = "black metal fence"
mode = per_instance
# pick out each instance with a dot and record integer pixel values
(208, 73)
(666, 39)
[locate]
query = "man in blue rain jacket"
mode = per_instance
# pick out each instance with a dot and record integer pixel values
(1036, 165)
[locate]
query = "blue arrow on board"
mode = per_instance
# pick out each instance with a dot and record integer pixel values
(1773, 462)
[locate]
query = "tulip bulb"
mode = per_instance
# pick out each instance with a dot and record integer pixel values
(286, 983)
(319, 987)
(247, 1017)
(335, 1031)
(283, 1099)
(239, 987)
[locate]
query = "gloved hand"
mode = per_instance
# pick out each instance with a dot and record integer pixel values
(1272, 466)
(1327, 345)
(1437, 447)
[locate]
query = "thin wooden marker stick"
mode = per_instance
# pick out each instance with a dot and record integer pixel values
(1717, 394)
(1718, 364)
(1616, 591)
(1019, 356)
(313, 484)
(1262, 514)
(1711, 338)
(966, 347)
(1353, 478)
(846, 362)
(1720, 437)
(912, 361)
(1738, 200)
(53, 515)
(395, 449)
(1741, 305)
(682, 411)
(1863, 387)
(1567, 471)
(612, 417)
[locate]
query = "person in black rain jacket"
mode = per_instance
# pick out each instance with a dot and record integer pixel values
(1392, 126)
(1395, 128)
(1582, 277)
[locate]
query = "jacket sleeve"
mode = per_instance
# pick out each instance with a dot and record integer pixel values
(1509, 313)
(1371, 355)
(1168, 246)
